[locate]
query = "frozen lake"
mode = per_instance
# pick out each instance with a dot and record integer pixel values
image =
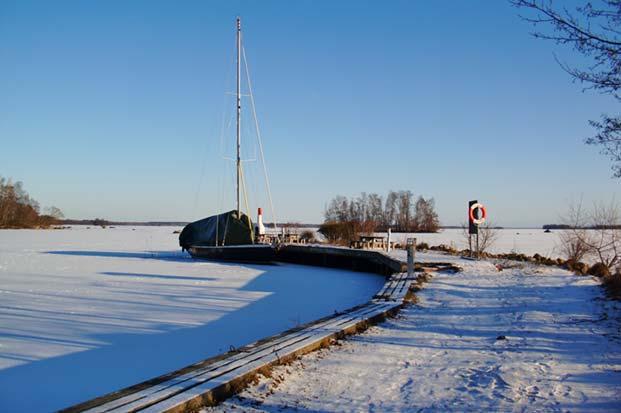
(84, 312)
(525, 241)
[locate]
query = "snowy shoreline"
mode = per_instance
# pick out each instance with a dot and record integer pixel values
(99, 300)
(525, 339)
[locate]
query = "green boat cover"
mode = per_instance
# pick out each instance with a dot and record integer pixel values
(218, 230)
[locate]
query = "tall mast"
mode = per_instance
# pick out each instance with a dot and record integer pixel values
(238, 110)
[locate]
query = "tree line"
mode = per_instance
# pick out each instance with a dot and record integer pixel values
(19, 210)
(594, 227)
(346, 218)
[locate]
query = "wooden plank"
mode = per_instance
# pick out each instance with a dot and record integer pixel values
(233, 361)
(393, 287)
(241, 367)
(200, 394)
(400, 283)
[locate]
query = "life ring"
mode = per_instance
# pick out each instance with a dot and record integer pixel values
(481, 216)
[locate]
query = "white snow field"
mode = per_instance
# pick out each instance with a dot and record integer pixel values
(84, 312)
(562, 351)
(524, 241)
(527, 241)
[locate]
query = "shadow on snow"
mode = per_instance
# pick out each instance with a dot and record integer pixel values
(102, 363)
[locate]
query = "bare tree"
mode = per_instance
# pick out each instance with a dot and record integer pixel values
(338, 209)
(592, 30)
(488, 235)
(376, 212)
(17, 208)
(404, 210)
(594, 233)
(572, 247)
(366, 214)
(425, 216)
(54, 212)
(8, 202)
(574, 243)
(606, 240)
(358, 208)
(608, 137)
(390, 209)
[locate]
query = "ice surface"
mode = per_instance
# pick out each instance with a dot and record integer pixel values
(524, 241)
(525, 339)
(87, 311)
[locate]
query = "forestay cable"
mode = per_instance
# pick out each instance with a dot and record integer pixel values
(256, 124)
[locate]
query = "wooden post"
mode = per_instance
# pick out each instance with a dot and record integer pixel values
(411, 247)
(388, 243)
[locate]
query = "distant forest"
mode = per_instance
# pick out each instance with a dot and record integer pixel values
(105, 223)
(564, 226)
(346, 218)
(398, 211)
(19, 210)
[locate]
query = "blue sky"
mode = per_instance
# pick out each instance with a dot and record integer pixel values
(115, 109)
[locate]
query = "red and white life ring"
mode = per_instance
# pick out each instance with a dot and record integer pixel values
(477, 214)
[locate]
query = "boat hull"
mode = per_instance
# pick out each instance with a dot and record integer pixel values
(257, 253)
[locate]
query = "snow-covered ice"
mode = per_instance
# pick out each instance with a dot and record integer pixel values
(525, 339)
(529, 241)
(84, 312)
(525, 241)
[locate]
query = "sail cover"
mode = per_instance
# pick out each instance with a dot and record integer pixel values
(218, 230)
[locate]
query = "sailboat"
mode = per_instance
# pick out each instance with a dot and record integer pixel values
(229, 236)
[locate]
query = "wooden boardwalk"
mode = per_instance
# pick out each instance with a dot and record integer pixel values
(211, 381)
(395, 289)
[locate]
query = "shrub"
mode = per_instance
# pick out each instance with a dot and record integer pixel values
(613, 283)
(579, 268)
(444, 248)
(488, 234)
(599, 270)
(573, 245)
(594, 233)
(308, 236)
(340, 232)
